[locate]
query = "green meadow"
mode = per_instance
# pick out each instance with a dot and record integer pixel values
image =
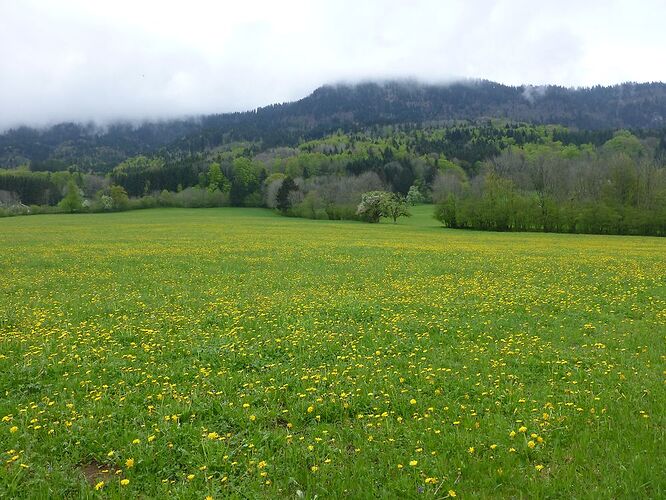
(186, 353)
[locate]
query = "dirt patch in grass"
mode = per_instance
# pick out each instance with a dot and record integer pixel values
(94, 472)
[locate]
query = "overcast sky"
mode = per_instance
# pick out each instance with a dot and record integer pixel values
(132, 59)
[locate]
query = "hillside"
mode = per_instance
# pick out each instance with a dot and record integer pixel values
(332, 107)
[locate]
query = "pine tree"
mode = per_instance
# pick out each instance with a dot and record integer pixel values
(282, 198)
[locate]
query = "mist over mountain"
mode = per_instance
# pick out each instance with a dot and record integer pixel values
(344, 106)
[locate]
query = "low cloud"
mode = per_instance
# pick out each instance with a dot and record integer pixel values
(532, 93)
(102, 61)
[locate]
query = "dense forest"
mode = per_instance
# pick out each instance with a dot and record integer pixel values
(329, 108)
(491, 156)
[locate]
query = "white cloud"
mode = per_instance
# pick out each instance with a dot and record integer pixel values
(104, 60)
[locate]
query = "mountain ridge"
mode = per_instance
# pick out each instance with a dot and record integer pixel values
(340, 106)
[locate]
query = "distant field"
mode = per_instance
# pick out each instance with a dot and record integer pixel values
(231, 352)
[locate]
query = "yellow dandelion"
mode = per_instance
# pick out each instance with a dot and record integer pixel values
(124, 482)
(129, 463)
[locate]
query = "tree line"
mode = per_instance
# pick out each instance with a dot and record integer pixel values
(617, 188)
(490, 175)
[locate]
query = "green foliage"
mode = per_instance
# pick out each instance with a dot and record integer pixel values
(499, 176)
(33, 188)
(446, 212)
(625, 142)
(119, 198)
(395, 207)
(73, 201)
(216, 179)
(245, 180)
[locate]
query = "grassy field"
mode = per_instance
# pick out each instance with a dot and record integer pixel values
(231, 352)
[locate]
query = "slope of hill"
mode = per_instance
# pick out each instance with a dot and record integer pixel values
(350, 107)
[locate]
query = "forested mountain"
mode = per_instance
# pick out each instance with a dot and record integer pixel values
(347, 107)
(491, 156)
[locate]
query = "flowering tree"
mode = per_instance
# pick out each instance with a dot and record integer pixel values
(414, 196)
(372, 205)
(377, 204)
